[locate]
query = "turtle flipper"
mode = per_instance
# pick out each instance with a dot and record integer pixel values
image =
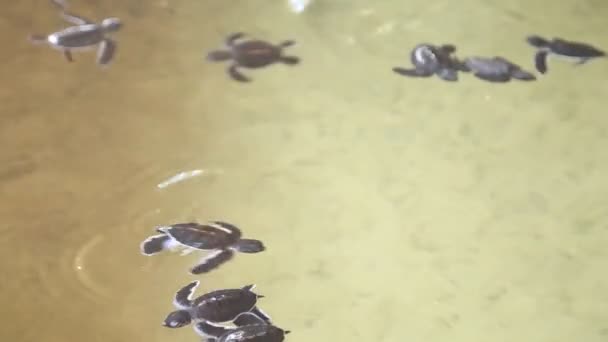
(523, 75)
(496, 77)
(183, 297)
(155, 244)
(447, 74)
(249, 246)
(106, 51)
(70, 17)
(209, 330)
(289, 60)
(212, 261)
(68, 55)
(540, 61)
(412, 72)
(231, 39)
(236, 75)
(286, 43)
(249, 318)
(261, 315)
(537, 41)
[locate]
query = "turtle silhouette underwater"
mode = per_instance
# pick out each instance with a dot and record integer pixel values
(578, 52)
(429, 60)
(249, 328)
(222, 239)
(496, 69)
(219, 306)
(84, 35)
(251, 54)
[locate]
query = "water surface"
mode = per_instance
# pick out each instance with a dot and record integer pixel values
(393, 209)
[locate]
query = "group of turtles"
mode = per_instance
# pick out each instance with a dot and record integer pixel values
(227, 315)
(427, 59)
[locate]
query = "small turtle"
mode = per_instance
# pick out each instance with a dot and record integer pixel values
(431, 60)
(251, 54)
(578, 52)
(223, 239)
(85, 35)
(218, 306)
(496, 69)
(249, 328)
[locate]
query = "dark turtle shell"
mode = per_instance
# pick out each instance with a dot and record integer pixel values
(255, 53)
(208, 236)
(496, 69)
(224, 305)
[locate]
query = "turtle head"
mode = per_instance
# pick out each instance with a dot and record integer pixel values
(111, 24)
(177, 319)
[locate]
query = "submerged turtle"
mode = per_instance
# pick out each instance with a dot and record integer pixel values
(221, 238)
(251, 54)
(431, 60)
(218, 306)
(249, 328)
(496, 69)
(85, 35)
(578, 52)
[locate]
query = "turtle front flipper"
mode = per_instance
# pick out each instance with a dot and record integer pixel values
(209, 330)
(448, 74)
(155, 244)
(261, 315)
(183, 297)
(538, 41)
(236, 75)
(249, 246)
(106, 51)
(249, 318)
(212, 261)
(412, 72)
(540, 61)
(69, 17)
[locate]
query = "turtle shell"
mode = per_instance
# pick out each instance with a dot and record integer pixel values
(212, 235)
(254, 333)
(255, 53)
(78, 36)
(574, 49)
(224, 305)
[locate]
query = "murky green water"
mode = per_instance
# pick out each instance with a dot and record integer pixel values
(393, 209)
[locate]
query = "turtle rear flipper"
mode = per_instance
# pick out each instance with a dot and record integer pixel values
(183, 297)
(155, 244)
(289, 60)
(523, 75)
(249, 246)
(540, 61)
(212, 261)
(412, 72)
(538, 41)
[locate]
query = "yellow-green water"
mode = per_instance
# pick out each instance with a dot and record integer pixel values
(393, 209)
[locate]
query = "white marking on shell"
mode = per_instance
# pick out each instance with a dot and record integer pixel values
(215, 225)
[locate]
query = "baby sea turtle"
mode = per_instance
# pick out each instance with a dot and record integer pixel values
(218, 306)
(431, 60)
(251, 54)
(221, 238)
(85, 35)
(578, 52)
(496, 69)
(249, 328)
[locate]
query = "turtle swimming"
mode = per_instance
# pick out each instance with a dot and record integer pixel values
(251, 54)
(219, 306)
(84, 35)
(496, 69)
(249, 328)
(431, 60)
(580, 53)
(221, 238)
